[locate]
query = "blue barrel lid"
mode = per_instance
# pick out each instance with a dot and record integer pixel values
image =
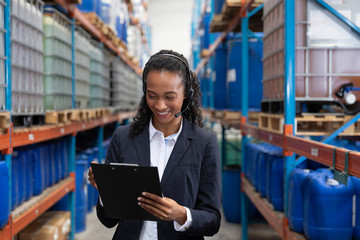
(81, 162)
(80, 157)
(89, 151)
(3, 168)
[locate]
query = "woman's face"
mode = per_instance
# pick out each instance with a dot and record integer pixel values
(164, 96)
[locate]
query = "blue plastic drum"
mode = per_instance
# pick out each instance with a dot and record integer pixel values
(328, 207)
(4, 199)
(90, 189)
(234, 80)
(219, 77)
(81, 193)
(296, 199)
(38, 168)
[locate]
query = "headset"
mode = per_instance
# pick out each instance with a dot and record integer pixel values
(191, 90)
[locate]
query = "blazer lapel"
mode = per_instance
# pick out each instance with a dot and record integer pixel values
(181, 146)
(142, 145)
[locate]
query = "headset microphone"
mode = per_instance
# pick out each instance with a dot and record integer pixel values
(187, 106)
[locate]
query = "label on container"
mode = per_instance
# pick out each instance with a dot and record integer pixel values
(231, 75)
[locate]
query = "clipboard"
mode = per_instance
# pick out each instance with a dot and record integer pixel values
(120, 185)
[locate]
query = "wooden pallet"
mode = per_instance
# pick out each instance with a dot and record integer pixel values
(65, 116)
(230, 8)
(318, 125)
(205, 53)
(93, 19)
(4, 120)
(310, 125)
(231, 117)
(271, 122)
(85, 114)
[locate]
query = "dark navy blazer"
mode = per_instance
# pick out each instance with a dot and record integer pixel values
(192, 178)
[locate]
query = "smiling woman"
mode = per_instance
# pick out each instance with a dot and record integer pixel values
(167, 134)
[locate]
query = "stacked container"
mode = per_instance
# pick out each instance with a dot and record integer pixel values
(120, 84)
(326, 54)
(2, 57)
(57, 61)
(96, 71)
(234, 73)
(219, 77)
(107, 58)
(82, 67)
(27, 56)
(134, 45)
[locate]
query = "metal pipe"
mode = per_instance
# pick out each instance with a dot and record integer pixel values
(244, 113)
(289, 103)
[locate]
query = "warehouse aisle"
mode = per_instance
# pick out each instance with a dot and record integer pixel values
(228, 231)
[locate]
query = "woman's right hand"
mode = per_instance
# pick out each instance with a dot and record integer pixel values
(91, 177)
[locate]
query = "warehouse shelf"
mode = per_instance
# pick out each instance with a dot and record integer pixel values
(49, 198)
(235, 21)
(284, 136)
(276, 219)
(76, 13)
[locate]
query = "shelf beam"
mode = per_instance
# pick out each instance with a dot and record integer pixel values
(35, 211)
(323, 153)
(48, 132)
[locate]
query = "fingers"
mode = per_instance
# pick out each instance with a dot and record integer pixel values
(149, 206)
(162, 208)
(91, 177)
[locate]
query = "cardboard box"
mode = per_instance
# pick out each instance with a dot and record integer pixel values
(52, 225)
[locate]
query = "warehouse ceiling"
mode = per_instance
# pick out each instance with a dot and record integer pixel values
(171, 25)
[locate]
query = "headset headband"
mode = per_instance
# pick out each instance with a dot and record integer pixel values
(178, 58)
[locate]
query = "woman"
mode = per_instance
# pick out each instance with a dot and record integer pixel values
(167, 133)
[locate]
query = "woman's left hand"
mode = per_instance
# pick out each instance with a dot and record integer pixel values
(163, 208)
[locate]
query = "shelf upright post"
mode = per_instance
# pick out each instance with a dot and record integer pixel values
(73, 62)
(211, 65)
(99, 141)
(8, 103)
(72, 141)
(289, 88)
(244, 113)
(223, 146)
(71, 144)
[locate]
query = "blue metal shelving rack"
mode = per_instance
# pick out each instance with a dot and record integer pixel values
(10, 230)
(286, 140)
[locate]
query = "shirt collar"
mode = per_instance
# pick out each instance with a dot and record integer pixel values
(153, 131)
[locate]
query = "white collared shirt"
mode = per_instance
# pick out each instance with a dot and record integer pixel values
(160, 151)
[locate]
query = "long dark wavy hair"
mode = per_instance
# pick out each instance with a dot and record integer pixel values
(159, 62)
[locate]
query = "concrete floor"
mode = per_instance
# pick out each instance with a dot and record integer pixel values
(228, 231)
